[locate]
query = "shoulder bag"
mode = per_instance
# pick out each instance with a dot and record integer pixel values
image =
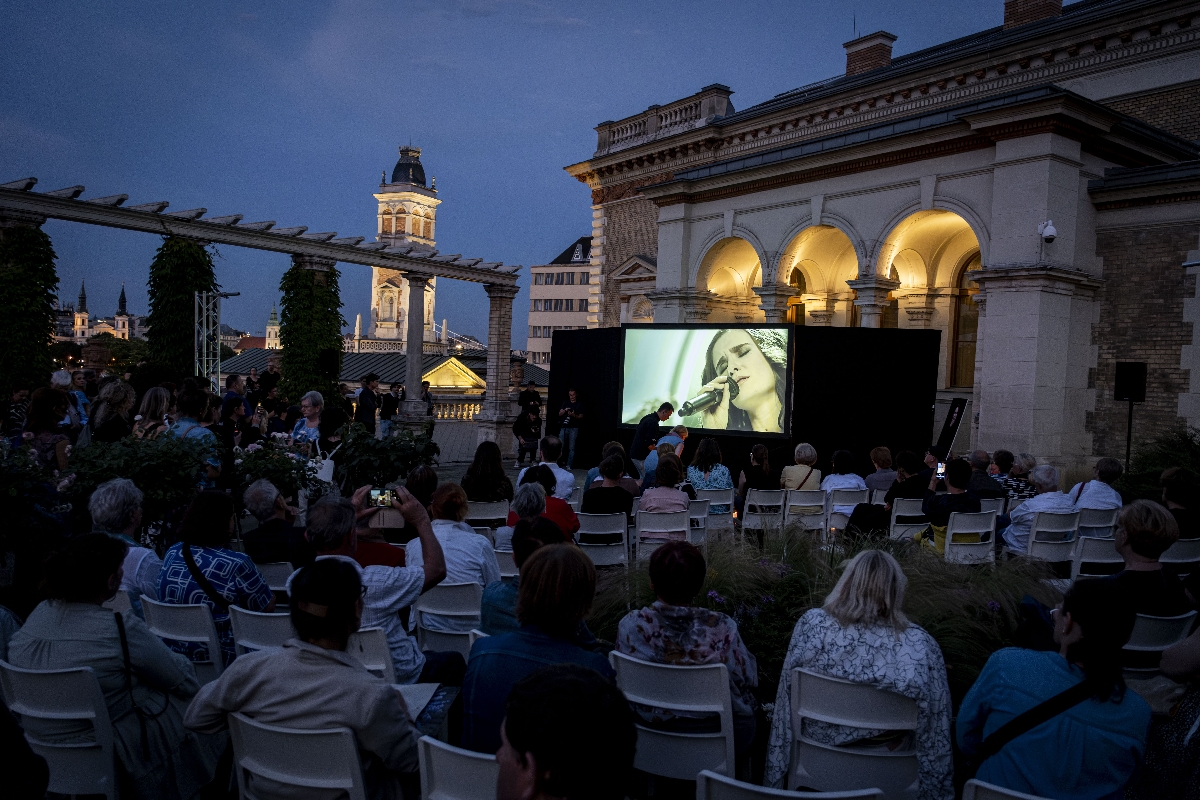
(1027, 721)
(204, 583)
(141, 714)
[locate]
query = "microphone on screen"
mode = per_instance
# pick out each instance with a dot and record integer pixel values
(701, 402)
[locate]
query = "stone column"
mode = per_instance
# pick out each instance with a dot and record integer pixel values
(495, 421)
(19, 219)
(872, 297)
(315, 263)
(821, 313)
(414, 345)
(774, 298)
(680, 305)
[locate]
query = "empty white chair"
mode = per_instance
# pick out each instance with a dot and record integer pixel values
(763, 509)
(698, 516)
(973, 526)
(508, 566)
(1098, 522)
(276, 574)
(978, 790)
(257, 630)
(828, 768)
(711, 786)
(302, 760)
(902, 507)
(486, 513)
(1184, 554)
(370, 646)
(187, 623)
(456, 604)
(592, 526)
(879, 497)
(703, 689)
(805, 507)
(993, 504)
(659, 527)
(58, 696)
(576, 499)
(451, 773)
(1089, 551)
(1155, 634)
(844, 497)
(1055, 550)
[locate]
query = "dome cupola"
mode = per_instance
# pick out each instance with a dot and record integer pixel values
(408, 168)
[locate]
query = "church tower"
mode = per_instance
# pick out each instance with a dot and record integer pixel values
(81, 316)
(121, 319)
(407, 211)
(273, 330)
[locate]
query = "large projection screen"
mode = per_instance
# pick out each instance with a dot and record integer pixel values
(747, 367)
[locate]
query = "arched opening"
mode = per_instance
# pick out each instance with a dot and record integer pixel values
(401, 222)
(386, 223)
(428, 229)
(966, 326)
(825, 259)
(415, 230)
(731, 270)
(795, 312)
(891, 312)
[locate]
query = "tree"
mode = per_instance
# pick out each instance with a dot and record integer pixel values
(30, 284)
(181, 267)
(126, 353)
(310, 331)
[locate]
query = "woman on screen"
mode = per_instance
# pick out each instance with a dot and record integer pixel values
(749, 368)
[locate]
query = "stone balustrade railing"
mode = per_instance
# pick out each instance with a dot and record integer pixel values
(658, 122)
(456, 407)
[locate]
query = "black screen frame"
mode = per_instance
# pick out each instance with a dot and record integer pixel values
(791, 357)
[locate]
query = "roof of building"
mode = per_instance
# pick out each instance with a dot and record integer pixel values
(580, 252)
(408, 169)
(390, 367)
(250, 343)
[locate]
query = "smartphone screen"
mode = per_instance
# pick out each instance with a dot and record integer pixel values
(941, 470)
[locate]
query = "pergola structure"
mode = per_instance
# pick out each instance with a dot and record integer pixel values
(20, 205)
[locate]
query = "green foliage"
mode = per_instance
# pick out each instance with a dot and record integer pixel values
(310, 331)
(364, 460)
(970, 611)
(285, 470)
(28, 494)
(166, 469)
(1179, 447)
(126, 353)
(181, 267)
(30, 284)
(227, 352)
(65, 355)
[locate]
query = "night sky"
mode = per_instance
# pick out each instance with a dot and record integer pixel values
(289, 111)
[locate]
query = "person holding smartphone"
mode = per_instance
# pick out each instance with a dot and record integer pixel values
(939, 507)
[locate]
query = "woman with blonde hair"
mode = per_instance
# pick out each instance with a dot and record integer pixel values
(861, 635)
(152, 415)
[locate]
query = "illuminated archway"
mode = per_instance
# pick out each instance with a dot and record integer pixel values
(818, 261)
(730, 270)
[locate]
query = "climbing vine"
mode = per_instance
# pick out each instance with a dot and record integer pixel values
(181, 267)
(30, 284)
(310, 331)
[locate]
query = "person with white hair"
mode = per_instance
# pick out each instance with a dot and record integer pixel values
(1048, 498)
(308, 429)
(529, 502)
(276, 539)
(862, 636)
(116, 509)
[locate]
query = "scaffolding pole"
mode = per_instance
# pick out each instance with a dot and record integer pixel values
(208, 336)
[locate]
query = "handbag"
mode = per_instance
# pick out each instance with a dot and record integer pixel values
(326, 465)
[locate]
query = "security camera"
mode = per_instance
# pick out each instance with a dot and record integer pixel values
(1047, 231)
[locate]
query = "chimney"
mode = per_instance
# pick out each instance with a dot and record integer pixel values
(1021, 12)
(869, 52)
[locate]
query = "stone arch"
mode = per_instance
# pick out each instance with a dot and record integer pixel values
(825, 255)
(730, 270)
(933, 239)
(701, 268)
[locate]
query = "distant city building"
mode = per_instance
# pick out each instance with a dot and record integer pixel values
(122, 325)
(558, 298)
(230, 336)
(272, 337)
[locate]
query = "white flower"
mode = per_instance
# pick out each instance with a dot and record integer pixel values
(237, 462)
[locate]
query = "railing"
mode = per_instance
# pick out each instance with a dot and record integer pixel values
(463, 408)
(659, 121)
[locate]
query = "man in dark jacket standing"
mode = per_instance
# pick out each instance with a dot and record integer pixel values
(648, 433)
(528, 430)
(368, 402)
(389, 405)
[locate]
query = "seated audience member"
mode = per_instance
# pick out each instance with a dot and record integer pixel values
(373, 548)
(1002, 462)
(909, 485)
(756, 476)
(156, 757)
(1179, 496)
(707, 472)
(498, 610)
(485, 481)
(276, 539)
(1144, 531)
(629, 478)
(884, 476)
(1048, 498)
(116, 509)
(933, 456)
(1017, 480)
(529, 502)
(843, 476)
(651, 464)
(609, 497)
(567, 732)
(468, 555)
(802, 474)
(982, 484)
(664, 496)
(1089, 750)
(527, 432)
(389, 589)
(557, 510)
(312, 683)
(675, 440)
(420, 483)
(549, 449)
(558, 583)
(673, 631)
(938, 507)
(202, 568)
(861, 635)
(1171, 768)
(1098, 492)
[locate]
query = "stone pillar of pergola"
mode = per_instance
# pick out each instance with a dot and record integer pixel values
(414, 343)
(495, 421)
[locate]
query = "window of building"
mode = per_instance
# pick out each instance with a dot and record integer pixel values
(535, 305)
(535, 332)
(387, 222)
(428, 234)
(569, 305)
(401, 222)
(966, 327)
(557, 305)
(569, 278)
(585, 278)
(539, 358)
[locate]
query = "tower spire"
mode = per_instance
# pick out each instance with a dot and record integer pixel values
(121, 301)
(82, 297)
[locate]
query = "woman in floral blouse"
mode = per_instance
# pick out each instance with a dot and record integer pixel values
(861, 635)
(672, 631)
(707, 471)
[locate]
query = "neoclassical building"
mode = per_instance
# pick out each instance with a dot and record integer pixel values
(916, 192)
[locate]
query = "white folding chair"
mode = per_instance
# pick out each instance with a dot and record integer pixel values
(576, 499)
(718, 521)
(1094, 550)
(276, 574)
(1184, 555)
(698, 517)
(1155, 634)
(1056, 550)
(902, 507)
(256, 630)
(660, 525)
(1098, 523)
(604, 555)
(763, 509)
(711, 786)
(370, 646)
(858, 705)
(488, 513)
(978, 790)
(298, 759)
(805, 507)
(993, 504)
(844, 497)
(703, 689)
(452, 773)
(968, 524)
(879, 497)
(187, 623)
(508, 566)
(57, 696)
(458, 605)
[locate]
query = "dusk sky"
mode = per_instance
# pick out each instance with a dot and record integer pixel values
(289, 111)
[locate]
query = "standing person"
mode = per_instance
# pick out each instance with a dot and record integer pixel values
(570, 418)
(1098, 493)
(427, 398)
(308, 429)
(152, 416)
(78, 395)
(529, 396)
(252, 394)
(193, 405)
(368, 403)
(235, 389)
(14, 416)
(49, 442)
(110, 418)
(269, 379)
(527, 430)
(389, 406)
(884, 476)
(648, 432)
